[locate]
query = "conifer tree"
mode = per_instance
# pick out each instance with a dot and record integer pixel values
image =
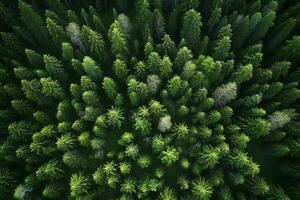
(57, 32)
(91, 68)
(169, 156)
(32, 21)
(120, 69)
(191, 29)
(67, 51)
(52, 88)
(110, 87)
(115, 117)
(73, 31)
(225, 93)
(263, 26)
(54, 67)
(202, 189)
(79, 185)
(118, 40)
(94, 42)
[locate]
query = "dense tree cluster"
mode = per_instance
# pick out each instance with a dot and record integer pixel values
(162, 99)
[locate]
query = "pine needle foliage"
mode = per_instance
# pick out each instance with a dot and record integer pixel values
(140, 99)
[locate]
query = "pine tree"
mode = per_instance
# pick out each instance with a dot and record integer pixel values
(33, 21)
(223, 44)
(257, 127)
(94, 42)
(153, 62)
(169, 156)
(290, 50)
(128, 186)
(34, 58)
(225, 93)
(183, 55)
(168, 46)
(202, 189)
(176, 86)
(279, 119)
(22, 192)
(66, 142)
(79, 185)
(259, 186)
(57, 32)
(91, 68)
(67, 51)
(22, 106)
(73, 32)
(191, 29)
(143, 17)
(158, 24)
(120, 69)
(240, 32)
(110, 87)
(285, 29)
(244, 73)
(118, 40)
(54, 67)
(20, 130)
(168, 194)
(52, 190)
(51, 170)
(58, 7)
(263, 26)
(209, 157)
(132, 151)
(181, 131)
(280, 69)
(7, 181)
(52, 88)
(115, 117)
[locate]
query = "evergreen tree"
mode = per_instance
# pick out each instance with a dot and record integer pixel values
(118, 40)
(223, 44)
(94, 42)
(91, 68)
(225, 93)
(79, 185)
(57, 32)
(110, 88)
(191, 29)
(168, 46)
(120, 69)
(209, 157)
(67, 51)
(32, 21)
(202, 189)
(52, 88)
(169, 156)
(115, 117)
(54, 67)
(263, 26)
(73, 32)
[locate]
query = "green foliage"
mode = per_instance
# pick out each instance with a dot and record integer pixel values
(91, 68)
(52, 88)
(171, 100)
(169, 156)
(191, 29)
(202, 189)
(225, 93)
(79, 185)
